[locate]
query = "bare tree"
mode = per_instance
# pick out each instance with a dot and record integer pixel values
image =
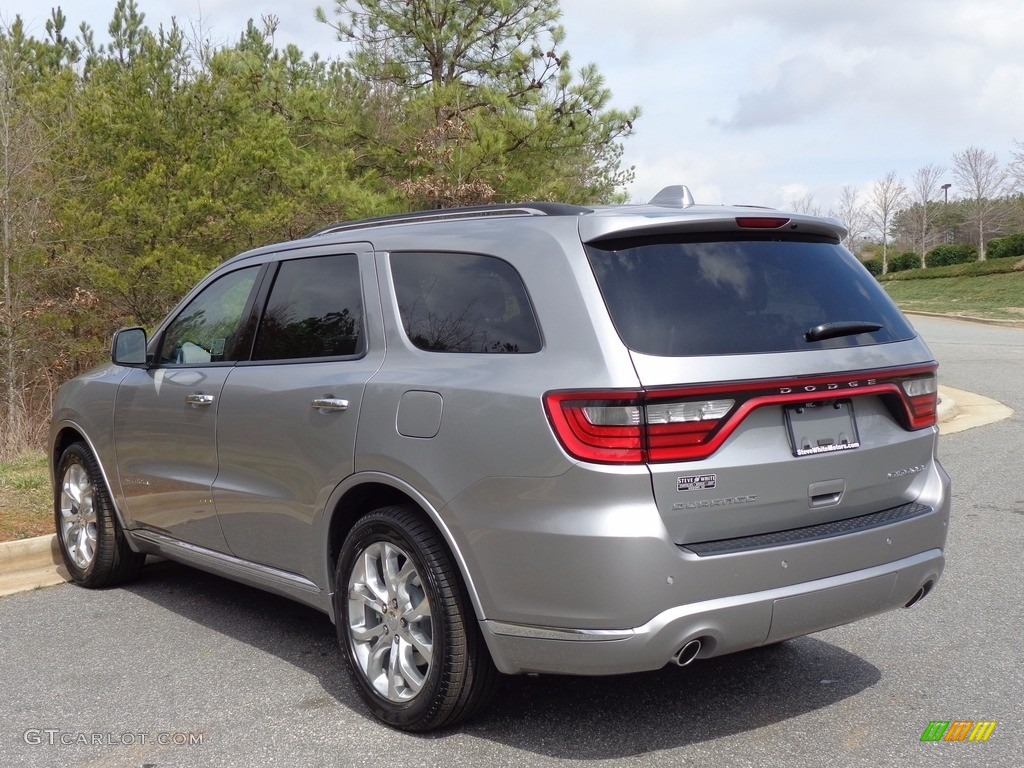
(200, 44)
(885, 200)
(984, 181)
(805, 204)
(924, 186)
(1016, 168)
(850, 211)
(17, 165)
(25, 146)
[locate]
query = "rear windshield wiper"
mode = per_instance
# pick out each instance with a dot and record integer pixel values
(844, 328)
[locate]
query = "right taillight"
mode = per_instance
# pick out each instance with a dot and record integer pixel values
(691, 423)
(921, 394)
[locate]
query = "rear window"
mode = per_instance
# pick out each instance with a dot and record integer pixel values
(315, 310)
(707, 296)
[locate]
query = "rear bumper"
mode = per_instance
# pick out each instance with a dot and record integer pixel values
(724, 625)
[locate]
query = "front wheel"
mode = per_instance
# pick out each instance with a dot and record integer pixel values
(409, 636)
(92, 543)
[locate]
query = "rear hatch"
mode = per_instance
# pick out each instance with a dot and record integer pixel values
(782, 392)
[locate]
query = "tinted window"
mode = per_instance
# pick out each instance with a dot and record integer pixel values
(209, 329)
(452, 302)
(315, 309)
(708, 297)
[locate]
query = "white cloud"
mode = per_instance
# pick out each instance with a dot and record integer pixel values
(804, 86)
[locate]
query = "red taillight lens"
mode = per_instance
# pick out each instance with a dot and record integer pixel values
(631, 428)
(677, 428)
(691, 423)
(599, 426)
(921, 394)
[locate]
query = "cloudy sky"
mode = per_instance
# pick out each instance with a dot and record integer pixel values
(745, 101)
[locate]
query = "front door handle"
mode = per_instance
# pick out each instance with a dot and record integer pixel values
(329, 404)
(199, 399)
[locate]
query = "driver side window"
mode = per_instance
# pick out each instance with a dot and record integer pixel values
(209, 329)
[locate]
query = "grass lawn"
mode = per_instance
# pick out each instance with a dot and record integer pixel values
(25, 501)
(992, 290)
(996, 297)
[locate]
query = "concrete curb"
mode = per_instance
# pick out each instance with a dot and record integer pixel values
(28, 564)
(947, 409)
(968, 410)
(969, 319)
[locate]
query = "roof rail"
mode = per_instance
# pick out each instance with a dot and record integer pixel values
(447, 214)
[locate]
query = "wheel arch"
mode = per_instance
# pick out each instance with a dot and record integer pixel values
(91, 537)
(64, 437)
(365, 492)
(67, 434)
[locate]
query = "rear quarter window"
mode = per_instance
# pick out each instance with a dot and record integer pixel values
(459, 302)
(680, 297)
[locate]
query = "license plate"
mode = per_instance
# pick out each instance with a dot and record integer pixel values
(816, 428)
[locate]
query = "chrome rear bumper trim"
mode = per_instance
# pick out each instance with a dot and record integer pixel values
(557, 633)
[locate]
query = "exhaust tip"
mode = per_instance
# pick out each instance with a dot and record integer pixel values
(687, 653)
(920, 594)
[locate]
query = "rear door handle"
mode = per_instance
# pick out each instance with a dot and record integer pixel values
(199, 399)
(825, 494)
(329, 404)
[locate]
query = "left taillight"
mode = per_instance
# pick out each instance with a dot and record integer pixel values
(632, 427)
(605, 427)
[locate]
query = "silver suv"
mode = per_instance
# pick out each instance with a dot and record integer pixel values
(529, 439)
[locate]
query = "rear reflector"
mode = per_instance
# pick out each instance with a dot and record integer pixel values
(691, 423)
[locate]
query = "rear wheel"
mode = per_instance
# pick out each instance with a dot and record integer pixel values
(409, 636)
(92, 543)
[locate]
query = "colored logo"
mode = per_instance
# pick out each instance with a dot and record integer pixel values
(958, 730)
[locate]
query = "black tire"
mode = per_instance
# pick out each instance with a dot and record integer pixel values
(416, 669)
(92, 543)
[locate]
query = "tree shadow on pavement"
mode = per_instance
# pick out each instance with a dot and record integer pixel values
(295, 633)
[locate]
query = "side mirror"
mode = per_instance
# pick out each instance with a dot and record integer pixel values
(129, 348)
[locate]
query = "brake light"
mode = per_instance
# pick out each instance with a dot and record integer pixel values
(761, 222)
(598, 426)
(634, 427)
(691, 423)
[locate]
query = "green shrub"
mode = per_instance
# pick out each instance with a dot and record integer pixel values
(901, 262)
(944, 255)
(874, 266)
(1006, 247)
(970, 269)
